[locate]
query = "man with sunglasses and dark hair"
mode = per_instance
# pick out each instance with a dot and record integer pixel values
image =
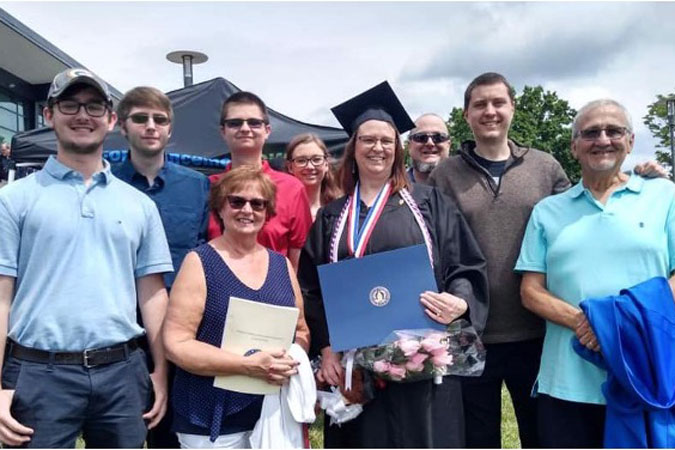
(79, 249)
(428, 144)
(245, 128)
(181, 194)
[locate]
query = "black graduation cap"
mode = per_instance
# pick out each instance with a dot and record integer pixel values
(377, 103)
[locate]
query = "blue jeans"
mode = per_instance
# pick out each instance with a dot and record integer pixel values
(58, 402)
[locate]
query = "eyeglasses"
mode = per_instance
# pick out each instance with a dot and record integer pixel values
(371, 141)
(612, 133)
(72, 107)
(238, 123)
(422, 138)
(142, 118)
(302, 161)
(237, 202)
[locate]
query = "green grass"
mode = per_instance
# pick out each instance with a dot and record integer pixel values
(316, 432)
(510, 437)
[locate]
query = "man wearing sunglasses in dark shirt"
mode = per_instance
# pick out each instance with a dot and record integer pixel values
(181, 194)
(428, 144)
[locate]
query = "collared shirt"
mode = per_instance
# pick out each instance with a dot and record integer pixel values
(587, 249)
(182, 197)
(411, 175)
(289, 228)
(76, 252)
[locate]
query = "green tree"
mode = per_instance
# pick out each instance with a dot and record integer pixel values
(657, 122)
(542, 120)
(458, 129)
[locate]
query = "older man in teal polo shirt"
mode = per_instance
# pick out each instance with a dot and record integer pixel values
(78, 249)
(610, 231)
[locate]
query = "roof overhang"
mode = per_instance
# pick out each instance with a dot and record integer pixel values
(28, 56)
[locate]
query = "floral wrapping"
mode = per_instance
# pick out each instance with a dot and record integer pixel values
(413, 355)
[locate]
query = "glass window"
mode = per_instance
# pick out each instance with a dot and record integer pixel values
(7, 134)
(8, 120)
(6, 102)
(12, 113)
(39, 118)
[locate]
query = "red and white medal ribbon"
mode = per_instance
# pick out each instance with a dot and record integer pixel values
(347, 215)
(357, 239)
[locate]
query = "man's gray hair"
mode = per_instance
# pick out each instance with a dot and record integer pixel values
(599, 104)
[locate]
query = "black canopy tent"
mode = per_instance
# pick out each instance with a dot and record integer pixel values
(195, 130)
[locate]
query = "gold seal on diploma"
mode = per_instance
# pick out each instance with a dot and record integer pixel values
(379, 296)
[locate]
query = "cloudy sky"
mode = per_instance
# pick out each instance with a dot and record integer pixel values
(304, 57)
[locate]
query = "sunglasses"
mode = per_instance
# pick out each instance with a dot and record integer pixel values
(142, 118)
(422, 138)
(238, 123)
(237, 202)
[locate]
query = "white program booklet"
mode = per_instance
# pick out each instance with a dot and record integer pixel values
(252, 326)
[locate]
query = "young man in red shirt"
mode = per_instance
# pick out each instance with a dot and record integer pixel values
(244, 125)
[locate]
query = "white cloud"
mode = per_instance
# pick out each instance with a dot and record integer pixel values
(304, 57)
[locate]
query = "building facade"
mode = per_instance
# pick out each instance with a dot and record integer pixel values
(28, 63)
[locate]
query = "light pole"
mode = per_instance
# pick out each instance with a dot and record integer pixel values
(671, 125)
(187, 58)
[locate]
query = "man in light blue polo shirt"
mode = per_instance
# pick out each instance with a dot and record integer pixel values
(609, 232)
(79, 248)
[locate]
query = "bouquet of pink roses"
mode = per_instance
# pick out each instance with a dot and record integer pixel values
(412, 355)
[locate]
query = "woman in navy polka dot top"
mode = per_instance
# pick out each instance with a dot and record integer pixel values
(234, 264)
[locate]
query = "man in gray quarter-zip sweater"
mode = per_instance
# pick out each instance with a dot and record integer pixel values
(496, 183)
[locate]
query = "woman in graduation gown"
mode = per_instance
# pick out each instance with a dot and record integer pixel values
(395, 215)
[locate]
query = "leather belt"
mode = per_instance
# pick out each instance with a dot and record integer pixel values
(86, 358)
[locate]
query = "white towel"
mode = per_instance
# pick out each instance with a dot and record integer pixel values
(282, 415)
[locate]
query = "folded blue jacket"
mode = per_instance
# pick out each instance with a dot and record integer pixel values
(636, 333)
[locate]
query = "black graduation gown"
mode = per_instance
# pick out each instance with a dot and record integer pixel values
(417, 414)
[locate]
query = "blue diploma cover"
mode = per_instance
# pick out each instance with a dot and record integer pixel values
(368, 298)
